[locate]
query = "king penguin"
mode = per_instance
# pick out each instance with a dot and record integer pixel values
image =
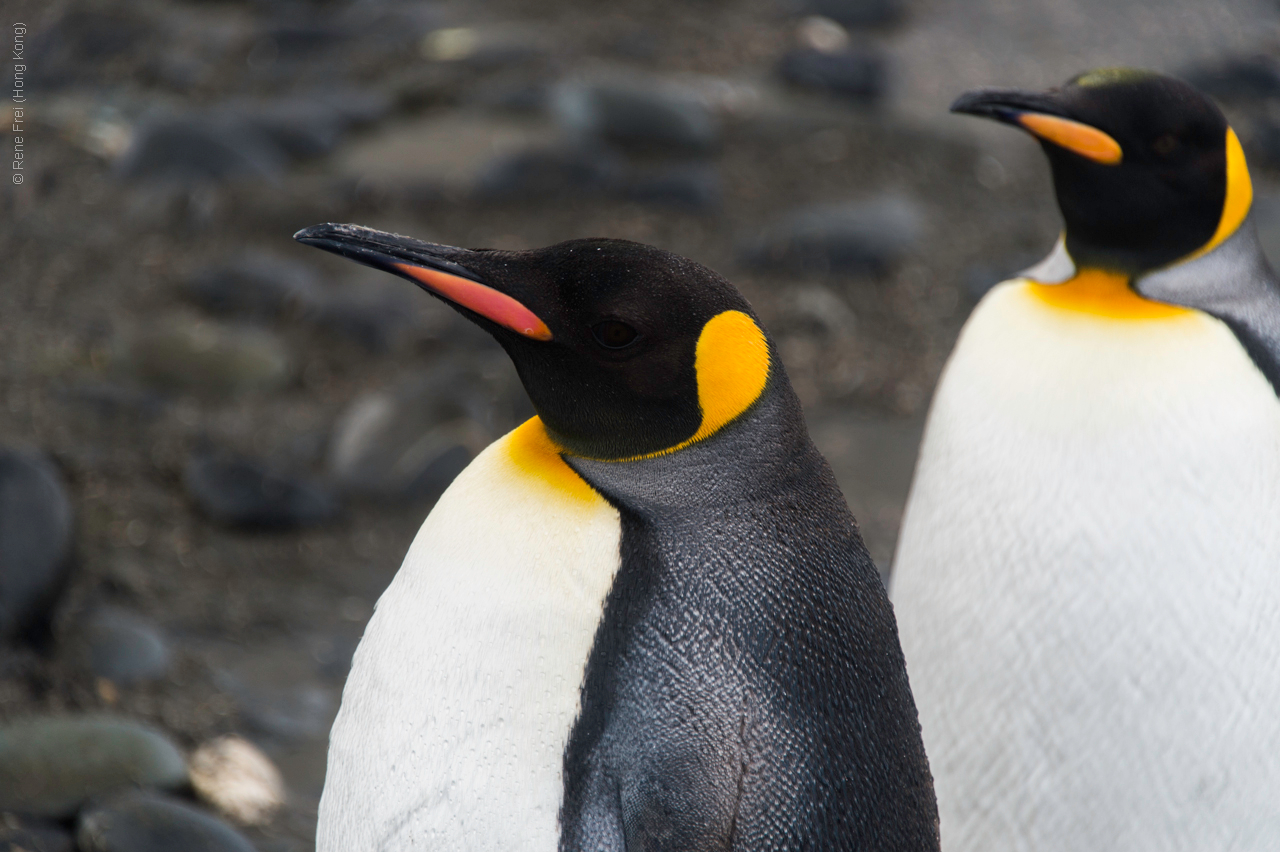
(1087, 580)
(642, 620)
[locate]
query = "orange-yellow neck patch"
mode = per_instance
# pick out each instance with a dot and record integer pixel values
(532, 452)
(1102, 293)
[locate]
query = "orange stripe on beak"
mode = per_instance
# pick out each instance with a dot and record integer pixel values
(486, 301)
(1089, 142)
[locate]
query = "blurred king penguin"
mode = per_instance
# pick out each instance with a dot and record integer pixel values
(644, 620)
(1088, 577)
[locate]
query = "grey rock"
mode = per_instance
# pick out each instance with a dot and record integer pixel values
(112, 399)
(207, 357)
(122, 646)
(696, 186)
(199, 148)
(637, 112)
(412, 441)
(73, 49)
(27, 835)
(549, 173)
(257, 284)
(852, 74)
(300, 127)
(245, 493)
(855, 13)
(292, 713)
(859, 236)
(35, 542)
(375, 316)
(143, 822)
(50, 766)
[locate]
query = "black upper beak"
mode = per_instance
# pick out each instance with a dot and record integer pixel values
(383, 250)
(438, 269)
(1007, 104)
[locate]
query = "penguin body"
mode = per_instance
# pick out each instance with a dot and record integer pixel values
(645, 618)
(1086, 581)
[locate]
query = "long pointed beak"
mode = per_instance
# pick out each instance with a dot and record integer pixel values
(1041, 115)
(438, 269)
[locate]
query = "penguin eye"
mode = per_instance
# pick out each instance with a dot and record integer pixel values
(612, 334)
(1165, 145)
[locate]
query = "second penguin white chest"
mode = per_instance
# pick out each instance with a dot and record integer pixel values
(464, 690)
(1088, 585)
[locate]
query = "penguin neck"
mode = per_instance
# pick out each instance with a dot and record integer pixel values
(764, 449)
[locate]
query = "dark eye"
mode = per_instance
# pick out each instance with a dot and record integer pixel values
(1165, 145)
(612, 334)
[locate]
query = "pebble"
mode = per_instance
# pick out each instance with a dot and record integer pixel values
(27, 835)
(850, 73)
(197, 148)
(204, 356)
(49, 766)
(123, 647)
(35, 541)
(234, 776)
(548, 173)
(145, 822)
(245, 493)
(857, 236)
(410, 442)
(695, 186)
(856, 13)
(289, 713)
(637, 112)
(258, 284)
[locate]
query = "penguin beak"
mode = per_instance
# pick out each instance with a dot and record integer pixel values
(1041, 115)
(438, 269)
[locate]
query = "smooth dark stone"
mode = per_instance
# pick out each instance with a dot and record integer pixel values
(409, 443)
(143, 822)
(208, 357)
(200, 148)
(860, 236)
(857, 75)
(109, 399)
(51, 765)
(299, 127)
(35, 542)
(548, 173)
(1238, 78)
(287, 713)
(696, 186)
(856, 13)
(641, 113)
(240, 492)
(28, 835)
(257, 284)
(124, 647)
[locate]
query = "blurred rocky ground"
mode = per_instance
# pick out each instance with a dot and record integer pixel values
(215, 445)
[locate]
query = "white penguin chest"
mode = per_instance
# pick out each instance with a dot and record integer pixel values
(465, 687)
(1088, 585)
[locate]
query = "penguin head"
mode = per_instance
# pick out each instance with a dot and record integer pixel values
(1146, 169)
(624, 349)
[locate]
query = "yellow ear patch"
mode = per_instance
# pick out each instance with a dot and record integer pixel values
(1239, 195)
(1089, 142)
(1103, 293)
(731, 363)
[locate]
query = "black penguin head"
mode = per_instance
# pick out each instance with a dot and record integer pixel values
(625, 350)
(1145, 168)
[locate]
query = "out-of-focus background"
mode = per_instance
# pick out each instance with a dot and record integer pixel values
(217, 444)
